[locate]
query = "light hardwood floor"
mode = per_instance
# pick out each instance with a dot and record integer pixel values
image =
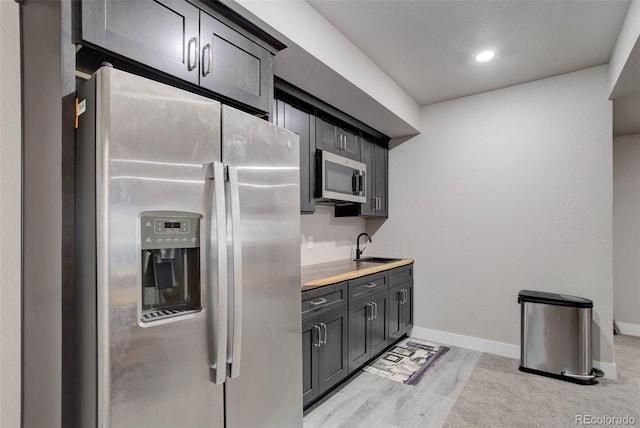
(368, 400)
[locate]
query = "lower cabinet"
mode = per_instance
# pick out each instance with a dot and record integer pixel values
(346, 324)
(324, 352)
(400, 310)
(368, 328)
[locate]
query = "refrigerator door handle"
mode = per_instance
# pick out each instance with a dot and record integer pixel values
(217, 297)
(236, 344)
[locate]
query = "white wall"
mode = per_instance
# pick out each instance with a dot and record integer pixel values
(626, 233)
(503, 191)
(623, 75)
(10, 206)
(325, 63)
(333, 238)
(626, 114)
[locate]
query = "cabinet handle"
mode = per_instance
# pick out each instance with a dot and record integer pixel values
(405, 296)
(369, 311)
(206, 70)
(343, 139)
(319, 341)
(371, 285)
(375, 310)
(378, 203)
(192, 45)
(318, 302)
(323, 328)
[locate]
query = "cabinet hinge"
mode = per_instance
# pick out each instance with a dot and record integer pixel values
(81, 107)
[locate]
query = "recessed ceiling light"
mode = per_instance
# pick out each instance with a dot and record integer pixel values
(485, 56)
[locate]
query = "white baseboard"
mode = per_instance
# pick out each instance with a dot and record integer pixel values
(628, 328)
(610, 370)
(491, 346)
(467, 342)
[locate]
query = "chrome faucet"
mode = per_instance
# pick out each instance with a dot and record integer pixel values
(358, 251)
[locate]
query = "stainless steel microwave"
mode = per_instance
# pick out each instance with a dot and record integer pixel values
(339, 179)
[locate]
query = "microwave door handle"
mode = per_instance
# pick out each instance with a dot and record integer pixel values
(235, 350)
(355, 182)
(217, 292)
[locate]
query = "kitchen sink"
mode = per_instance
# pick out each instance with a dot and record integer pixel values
(376, 260)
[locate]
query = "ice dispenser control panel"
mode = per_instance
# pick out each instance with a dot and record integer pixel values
(170, 232)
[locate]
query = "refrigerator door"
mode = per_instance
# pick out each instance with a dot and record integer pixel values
(267, 391)
(152, 141)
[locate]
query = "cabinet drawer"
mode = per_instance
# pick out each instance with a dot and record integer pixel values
(401, 274)
(368, 285)
(323, 299)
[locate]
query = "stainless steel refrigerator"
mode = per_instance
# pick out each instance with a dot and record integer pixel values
(188, 279)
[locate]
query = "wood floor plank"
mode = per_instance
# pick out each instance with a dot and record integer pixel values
(373, 401)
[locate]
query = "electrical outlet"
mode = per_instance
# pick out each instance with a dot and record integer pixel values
(309, 242)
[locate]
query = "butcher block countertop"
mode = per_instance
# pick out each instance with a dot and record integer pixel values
(320, 274)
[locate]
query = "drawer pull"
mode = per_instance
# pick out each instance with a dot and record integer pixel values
(371, 285)
(318, 302)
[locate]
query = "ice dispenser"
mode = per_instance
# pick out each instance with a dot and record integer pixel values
(170, 245)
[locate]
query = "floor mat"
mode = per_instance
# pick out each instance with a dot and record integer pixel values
(407, 361)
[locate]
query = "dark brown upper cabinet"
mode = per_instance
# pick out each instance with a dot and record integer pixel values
(233, 65)
(377, 160)
(302, 122)
(184, 41)
(334, 138)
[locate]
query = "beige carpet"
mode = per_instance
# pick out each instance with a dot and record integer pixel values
(497, 394)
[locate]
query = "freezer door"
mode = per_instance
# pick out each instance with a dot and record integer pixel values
(268, 388)
(151, 142)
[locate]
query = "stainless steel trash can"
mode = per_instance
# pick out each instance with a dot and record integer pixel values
(555, 336)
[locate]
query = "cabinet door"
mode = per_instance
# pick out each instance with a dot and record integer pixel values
(332, 354)
(309, 361)
(406, 309)
(381, 179)
(234, 66)
(303, 124)
(326, 136)
(162, 34)
(367, 157)
(379, 330)
(394, 318)
(350, 144)
(359, 351)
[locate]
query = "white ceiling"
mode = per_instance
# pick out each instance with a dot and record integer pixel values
(428, 46)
